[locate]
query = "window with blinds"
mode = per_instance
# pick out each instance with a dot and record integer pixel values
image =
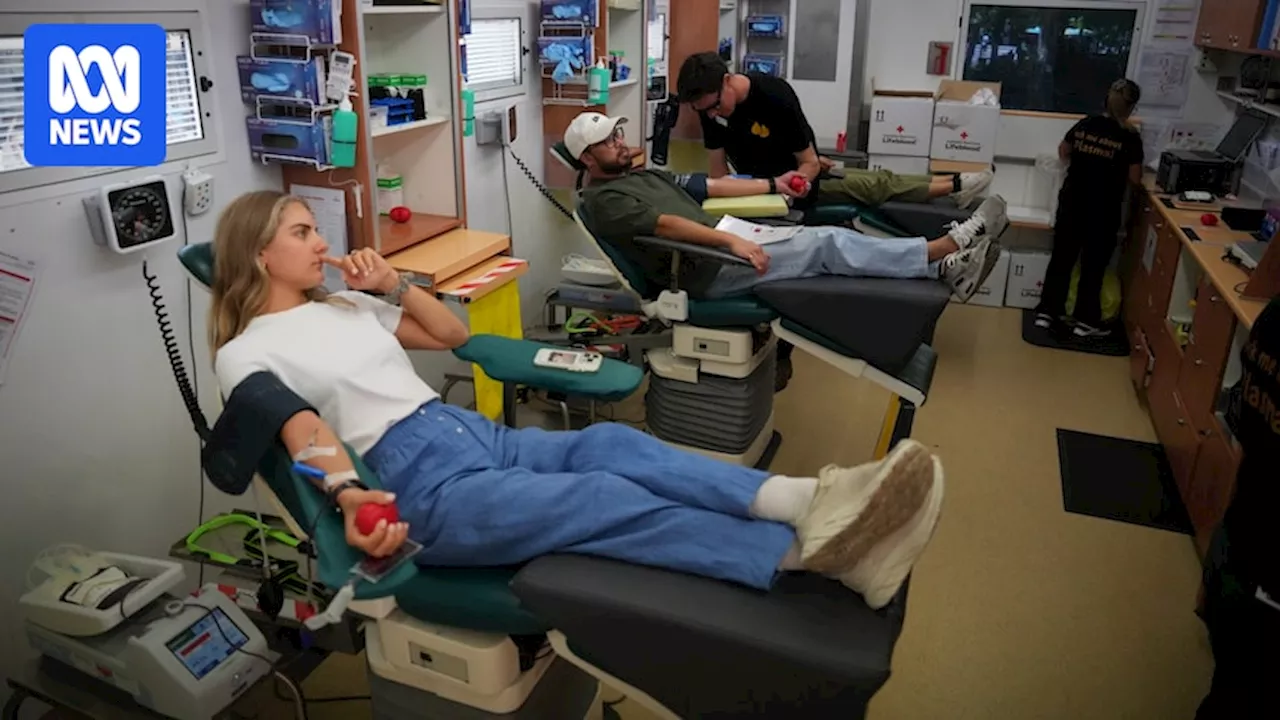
(184, 120)
(494, 57)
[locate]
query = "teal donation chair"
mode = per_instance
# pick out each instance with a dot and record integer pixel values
(537, 641)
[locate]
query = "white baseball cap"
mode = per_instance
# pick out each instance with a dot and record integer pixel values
(588, 129)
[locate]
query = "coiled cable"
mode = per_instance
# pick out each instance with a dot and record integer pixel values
(174, 353)
(537, 184)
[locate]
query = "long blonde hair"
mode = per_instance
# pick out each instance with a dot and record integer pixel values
(240, 283)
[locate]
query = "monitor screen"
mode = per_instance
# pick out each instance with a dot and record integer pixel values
(201, 647)
(1243, 132)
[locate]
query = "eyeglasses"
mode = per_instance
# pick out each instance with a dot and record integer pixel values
(617, 137)
(713, 106)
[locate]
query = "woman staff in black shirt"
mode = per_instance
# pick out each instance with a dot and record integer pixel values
(1103, 154)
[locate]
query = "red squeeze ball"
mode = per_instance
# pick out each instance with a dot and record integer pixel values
(1209, 219)
(798, 183)
(368, 515)
(400, 214)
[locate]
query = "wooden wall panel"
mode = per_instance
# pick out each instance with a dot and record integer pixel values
(695, 25)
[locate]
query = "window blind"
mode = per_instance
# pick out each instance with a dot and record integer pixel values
(493, 54)
(183, 120)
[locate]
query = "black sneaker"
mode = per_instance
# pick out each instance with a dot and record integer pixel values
(1044, 320)
(782, 374)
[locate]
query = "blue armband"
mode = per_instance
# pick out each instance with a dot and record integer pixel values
(695, 184)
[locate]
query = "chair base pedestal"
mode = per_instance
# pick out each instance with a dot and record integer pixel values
(419, 670)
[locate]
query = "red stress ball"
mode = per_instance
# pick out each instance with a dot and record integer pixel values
(798, 184)
(400, 214)
(368, 515)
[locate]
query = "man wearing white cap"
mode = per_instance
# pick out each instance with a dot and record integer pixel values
(623, 204)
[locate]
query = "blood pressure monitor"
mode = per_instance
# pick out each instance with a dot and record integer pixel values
(185, 658)
(128, 217)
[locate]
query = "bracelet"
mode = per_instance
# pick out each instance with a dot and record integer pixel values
(402, 286)
(331, 494)
(773, 186)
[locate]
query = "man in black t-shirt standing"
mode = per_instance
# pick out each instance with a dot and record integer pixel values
(1242, 567)
(755, 121)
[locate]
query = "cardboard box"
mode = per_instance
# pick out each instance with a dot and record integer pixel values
(900, 164)
(992, 292)
(1026, 278)
(964, 132)
(901, 123)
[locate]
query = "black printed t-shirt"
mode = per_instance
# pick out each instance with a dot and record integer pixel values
(1102, 151)
(1253, 520)
(765, 131)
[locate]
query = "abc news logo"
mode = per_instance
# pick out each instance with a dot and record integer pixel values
(94, 95)
(69, 90)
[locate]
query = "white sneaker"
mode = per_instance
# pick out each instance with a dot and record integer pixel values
(990, 219)
(966, 270)
(881, 572)
(971, 186)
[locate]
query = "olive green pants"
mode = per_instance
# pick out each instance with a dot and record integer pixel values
(872, 188)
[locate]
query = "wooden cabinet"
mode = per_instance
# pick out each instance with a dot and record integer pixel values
(1169, 414)
(1159, 283)
(1213, 482)
(1229, 24)
(1141, 360)
(1205, 356)
(1134, 272)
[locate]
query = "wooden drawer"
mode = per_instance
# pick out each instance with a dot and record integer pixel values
(1159, 283)
(1213, 482)
(1200, 378)
(1173, 423)
(1141, 361)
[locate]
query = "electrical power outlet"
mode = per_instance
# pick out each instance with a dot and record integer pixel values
(197, 191)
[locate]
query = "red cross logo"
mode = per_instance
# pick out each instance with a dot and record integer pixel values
(900, 128)
(964, 136)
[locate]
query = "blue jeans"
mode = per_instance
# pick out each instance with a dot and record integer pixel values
(830, 251)
(476, 493)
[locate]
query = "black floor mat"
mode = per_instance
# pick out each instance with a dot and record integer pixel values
(1060, 338)
(1118, 479)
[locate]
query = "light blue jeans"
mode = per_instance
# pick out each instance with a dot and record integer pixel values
(830, 251)
(476, 493)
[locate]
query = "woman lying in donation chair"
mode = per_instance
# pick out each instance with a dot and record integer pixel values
(476, 493)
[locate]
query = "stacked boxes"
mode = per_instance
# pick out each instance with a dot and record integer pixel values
(901, 131)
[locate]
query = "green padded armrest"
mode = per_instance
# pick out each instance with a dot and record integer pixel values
(740, 311)
(335, 557)
(750, 206)
(511, 361)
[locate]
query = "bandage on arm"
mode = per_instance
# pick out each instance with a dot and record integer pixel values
(305, 435)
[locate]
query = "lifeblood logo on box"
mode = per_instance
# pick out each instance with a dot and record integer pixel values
(899, 138)
(964, 144)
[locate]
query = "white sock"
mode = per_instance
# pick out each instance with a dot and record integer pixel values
(791, 561)
(784, 499)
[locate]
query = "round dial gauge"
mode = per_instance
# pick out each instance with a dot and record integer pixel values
(140, 214)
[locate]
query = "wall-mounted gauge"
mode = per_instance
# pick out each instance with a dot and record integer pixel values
(128, 217)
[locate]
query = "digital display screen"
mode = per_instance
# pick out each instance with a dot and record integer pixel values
(201, 647)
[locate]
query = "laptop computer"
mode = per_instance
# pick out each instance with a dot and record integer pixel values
(1247, 127)
(1248, 252)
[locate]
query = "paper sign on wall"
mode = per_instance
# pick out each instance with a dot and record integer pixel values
(17, 285)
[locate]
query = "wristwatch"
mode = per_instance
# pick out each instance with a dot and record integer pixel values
(773, 186)
(331, 494)
(400, 289)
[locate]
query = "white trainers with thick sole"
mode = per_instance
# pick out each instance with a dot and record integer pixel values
(991, 219)
(971, 186)
(855, 509)
(886, 566)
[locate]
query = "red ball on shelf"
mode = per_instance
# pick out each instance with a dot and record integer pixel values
(400, 214)
(368, 515)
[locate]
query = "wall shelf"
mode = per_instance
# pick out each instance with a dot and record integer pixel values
(409, 126)
(421, 226)
(1247, 103)
(404, 10)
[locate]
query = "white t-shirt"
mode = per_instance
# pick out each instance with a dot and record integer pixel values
(343, 360)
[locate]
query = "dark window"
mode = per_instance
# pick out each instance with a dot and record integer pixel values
(1052, 59)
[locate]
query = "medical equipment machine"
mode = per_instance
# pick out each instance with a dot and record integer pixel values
(132, 216)
(111, 617)
(570, 360)
(1217, 171)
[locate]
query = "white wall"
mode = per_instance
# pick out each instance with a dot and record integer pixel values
(96, 446)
